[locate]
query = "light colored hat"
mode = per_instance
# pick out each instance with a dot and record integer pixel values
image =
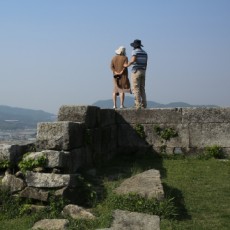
(120, 50)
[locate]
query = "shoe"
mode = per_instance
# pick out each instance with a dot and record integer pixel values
(114, 107)
(122, 107)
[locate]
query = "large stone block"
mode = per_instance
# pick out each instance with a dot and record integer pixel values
(146, 184)
(13, 183)
(126, 220)
(209, 134)
(60, 135)
(48, 224)
(149, 116)
(206, 115)
(90, 115)
(51, 180)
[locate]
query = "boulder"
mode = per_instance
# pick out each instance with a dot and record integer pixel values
(77, 212)
(51, 224)
(146, 184)
(59, 135)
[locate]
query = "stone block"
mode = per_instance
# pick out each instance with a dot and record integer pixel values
(48, 224)
(89, 115)
(149, 116)
(34, 193)
(126, 220)
(206, 115)
(146, 184)
(13, 183)
(77, 212)
(50, 180)
(209, 134)
(60, 135)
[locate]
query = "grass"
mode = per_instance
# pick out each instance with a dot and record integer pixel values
(200, 189)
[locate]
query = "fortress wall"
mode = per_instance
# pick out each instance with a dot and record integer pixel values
(197, 128)
(102, 133)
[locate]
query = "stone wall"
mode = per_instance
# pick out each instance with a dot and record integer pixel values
(102, 133)
(197, 128)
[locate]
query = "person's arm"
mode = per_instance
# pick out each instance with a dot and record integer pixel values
(133, 59)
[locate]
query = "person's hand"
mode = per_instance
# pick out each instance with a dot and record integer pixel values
(121, 71)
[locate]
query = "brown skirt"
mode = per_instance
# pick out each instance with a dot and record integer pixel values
(121, 85)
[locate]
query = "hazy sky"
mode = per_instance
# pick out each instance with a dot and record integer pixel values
(56, 52)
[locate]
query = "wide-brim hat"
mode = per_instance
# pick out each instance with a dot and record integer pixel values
(136, 43)
(120, 50)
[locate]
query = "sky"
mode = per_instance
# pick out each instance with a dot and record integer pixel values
(58, 52)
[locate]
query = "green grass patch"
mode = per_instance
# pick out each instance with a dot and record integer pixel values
(201, 190)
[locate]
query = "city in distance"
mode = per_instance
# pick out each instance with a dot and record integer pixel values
(21, 124)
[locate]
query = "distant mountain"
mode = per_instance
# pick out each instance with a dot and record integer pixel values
(19, 118)
(129, 102)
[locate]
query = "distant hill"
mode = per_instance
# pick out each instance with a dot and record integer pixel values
(129, 102)
(19, 118)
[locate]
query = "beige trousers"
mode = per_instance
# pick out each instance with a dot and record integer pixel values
(138, 88)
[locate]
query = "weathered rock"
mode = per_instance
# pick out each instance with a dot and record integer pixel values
(13, 183)
(135, 221)
(146, 184)
(124, 220)
(59, 135)
(77, 212)
(51, 224)
(34, 193)
(90, 115)
(50, 180)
